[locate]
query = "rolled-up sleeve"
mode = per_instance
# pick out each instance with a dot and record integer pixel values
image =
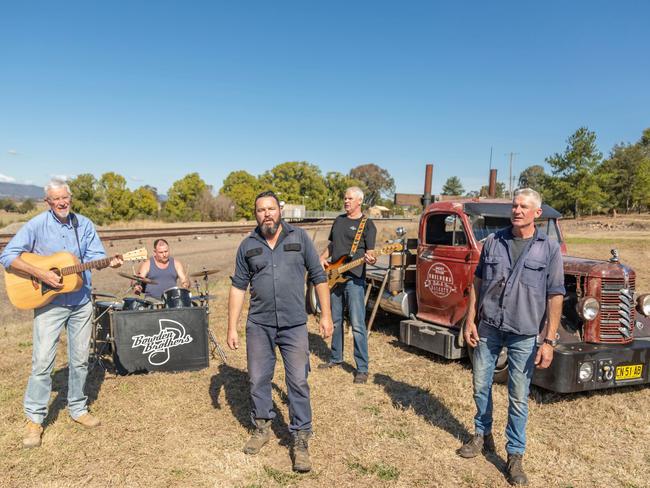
(94, 247)
(22, 242)
(555, 276)
(315, 271)
(242, 276)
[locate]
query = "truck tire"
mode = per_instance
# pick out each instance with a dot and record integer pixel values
(501, 370)
(311, 300)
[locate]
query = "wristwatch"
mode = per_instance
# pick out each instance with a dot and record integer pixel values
(550, 342)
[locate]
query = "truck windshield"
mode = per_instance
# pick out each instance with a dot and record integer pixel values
(484, 225)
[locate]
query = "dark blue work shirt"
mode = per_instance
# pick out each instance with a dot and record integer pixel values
(513, 296)
(277, 276)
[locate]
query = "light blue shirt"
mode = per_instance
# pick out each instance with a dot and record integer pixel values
(45, 235)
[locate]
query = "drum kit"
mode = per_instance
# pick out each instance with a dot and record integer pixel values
(172, 298)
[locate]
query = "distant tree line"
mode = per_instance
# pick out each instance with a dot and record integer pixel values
(9, 205)
(108, 199)
(581, 181)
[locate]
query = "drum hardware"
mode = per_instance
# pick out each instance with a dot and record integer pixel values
(176, 297)
(204, 273)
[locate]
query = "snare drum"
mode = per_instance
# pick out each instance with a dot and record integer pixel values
(132, 303)
(177, 297)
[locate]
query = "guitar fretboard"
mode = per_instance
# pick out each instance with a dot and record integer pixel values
(78, 268)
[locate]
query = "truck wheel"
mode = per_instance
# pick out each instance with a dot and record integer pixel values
(311, 300)
(501, 370)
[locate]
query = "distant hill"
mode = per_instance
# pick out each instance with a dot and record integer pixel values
(20, 192)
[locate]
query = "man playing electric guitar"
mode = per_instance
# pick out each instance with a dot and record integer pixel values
(353, 235)
(49, 232)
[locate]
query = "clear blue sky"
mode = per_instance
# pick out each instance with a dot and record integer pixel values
(154, 90)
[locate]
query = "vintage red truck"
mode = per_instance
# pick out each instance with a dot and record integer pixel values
(604, 337)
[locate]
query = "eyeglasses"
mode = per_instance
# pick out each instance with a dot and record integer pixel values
(59, 199)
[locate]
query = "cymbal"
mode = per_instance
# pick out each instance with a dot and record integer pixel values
(141, 279)
(205, 272)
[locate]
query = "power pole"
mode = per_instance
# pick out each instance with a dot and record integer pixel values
(510, 182)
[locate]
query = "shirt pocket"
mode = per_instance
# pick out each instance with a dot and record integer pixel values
(493, 267)
(533, 272)
(293, 253)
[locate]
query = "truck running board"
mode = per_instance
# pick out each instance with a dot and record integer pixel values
(439, 340)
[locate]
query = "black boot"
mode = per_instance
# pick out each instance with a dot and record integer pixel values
(477, 444)
(516, 475)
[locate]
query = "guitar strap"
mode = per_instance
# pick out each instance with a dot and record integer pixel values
(75, 224)
(357, 237)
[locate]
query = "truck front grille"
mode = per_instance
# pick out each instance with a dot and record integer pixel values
(617, 312)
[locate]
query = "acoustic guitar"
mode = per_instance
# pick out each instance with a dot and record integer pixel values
(335, 270)
(26, 292)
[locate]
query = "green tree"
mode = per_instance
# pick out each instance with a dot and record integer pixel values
(117, 201)
(500, 190)
(182, 198)
(241, 188)
(297, 182)
(86, 198)
(145, 203)
(377, 182)
(575, 170)
(336, 184)
(8, 205)
(453, 186)
(533, 177)
(26, 206)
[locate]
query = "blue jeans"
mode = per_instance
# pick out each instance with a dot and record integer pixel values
(351, 293)
(521, 365)
(49, 322)
(293, 343)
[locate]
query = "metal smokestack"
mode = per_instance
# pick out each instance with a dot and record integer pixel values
(492, 186)
(428, 176)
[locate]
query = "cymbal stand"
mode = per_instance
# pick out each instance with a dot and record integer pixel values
(205, 301)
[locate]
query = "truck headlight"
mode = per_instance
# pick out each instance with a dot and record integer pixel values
(586, 372)
(643, 304)
(588, 308)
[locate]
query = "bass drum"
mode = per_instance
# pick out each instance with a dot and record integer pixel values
(177, 297)
(132, 303)
(311, 300)
(102, 323)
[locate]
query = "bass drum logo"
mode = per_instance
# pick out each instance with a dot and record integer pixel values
(156, 347)
(439, 280)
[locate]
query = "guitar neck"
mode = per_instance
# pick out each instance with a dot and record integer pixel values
(81, 267)
(348, 266)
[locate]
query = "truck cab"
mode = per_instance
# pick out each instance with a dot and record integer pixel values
(604, 336)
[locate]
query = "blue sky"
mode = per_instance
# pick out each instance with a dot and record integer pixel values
(155, 90)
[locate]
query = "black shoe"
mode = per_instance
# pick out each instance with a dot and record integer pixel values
(329, 365)
(360, 378)
(477, 444)
(516, 474)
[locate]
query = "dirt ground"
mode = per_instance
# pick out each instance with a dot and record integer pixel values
(401, 429)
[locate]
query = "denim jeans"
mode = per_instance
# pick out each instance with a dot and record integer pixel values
(350, 293)
(521, 365)
(293, 343)
(48, 325)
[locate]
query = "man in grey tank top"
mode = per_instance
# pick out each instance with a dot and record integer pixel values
(163, 269)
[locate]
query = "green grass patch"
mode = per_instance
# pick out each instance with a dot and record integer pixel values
(280, 477)
(601, 240)
(383, 471)
(396, 434)
(25, 344)
(373, 409)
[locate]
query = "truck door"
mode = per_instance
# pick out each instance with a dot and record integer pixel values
(445, 263)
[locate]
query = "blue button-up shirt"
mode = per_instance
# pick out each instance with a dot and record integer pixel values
(277, 276)
(45, 235)
(513, 296)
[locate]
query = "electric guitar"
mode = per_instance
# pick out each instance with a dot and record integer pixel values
(25, 291)
(335, 270)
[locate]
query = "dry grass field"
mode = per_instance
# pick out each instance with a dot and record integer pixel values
(400, 430)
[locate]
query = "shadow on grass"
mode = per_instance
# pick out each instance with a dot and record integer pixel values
(236, 387)
(319, 347)
(94, 382)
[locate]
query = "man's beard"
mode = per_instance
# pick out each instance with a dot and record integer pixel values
(268, 229)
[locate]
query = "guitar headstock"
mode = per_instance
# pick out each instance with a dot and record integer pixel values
(390, 248)
(137, 255)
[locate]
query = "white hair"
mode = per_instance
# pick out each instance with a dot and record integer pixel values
(530, 194)
(355, 190)
(56, 184)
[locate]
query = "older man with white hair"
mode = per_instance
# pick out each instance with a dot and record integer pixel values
(518, 289)
(352, 235)
(57, 229)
